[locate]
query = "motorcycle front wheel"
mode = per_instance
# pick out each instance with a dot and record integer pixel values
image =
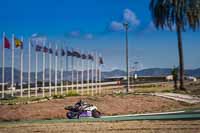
(96, 114)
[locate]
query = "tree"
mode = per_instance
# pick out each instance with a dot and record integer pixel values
(175, 77)
(181, 14)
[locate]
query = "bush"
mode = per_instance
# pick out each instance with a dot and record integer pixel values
(72, 93)
(58, 96)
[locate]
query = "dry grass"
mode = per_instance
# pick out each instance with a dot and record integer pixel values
(105, 127)
(108, 105)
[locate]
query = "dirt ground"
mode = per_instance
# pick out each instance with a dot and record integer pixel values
(106, 127)
(193, 87)
(108, 105)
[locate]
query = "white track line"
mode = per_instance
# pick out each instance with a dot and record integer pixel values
(146, 114)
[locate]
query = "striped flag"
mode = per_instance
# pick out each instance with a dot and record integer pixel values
(83, 56)
(50, 51)
(6, 43)
(100, 60)
(45, 49)
(69, 53)
(62, 52)
(38, 48)
(56, 53)
(76, 54)
(90, 57)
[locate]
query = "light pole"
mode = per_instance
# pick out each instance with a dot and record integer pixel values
(127, 69)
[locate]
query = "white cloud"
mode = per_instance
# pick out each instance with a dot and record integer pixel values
(173, 28)
(130, 17)
(34, 35)
(88, 36)
(74, 33)
(116, 26)
(38, 36)
(152, 27)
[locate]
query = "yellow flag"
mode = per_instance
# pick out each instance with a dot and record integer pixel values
(18, 43)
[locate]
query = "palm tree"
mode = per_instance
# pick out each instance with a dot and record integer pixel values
(181, 14)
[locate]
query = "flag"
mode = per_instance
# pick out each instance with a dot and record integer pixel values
(69, 53)
(35, 42)
(45, 49)
(83, 56)
(76, 54)
(50, 51)
(56, 53)
(38, 48)
(100, 60)
(62, 52)
(6, 43)
(90, 57)
(18, 43)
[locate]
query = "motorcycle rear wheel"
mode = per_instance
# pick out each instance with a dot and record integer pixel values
(71, 115)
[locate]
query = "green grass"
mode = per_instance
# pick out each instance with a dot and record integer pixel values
(20, 100)
(26, 100)
(153, 89)
(72, 93)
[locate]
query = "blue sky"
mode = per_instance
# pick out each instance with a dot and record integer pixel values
(96, 25)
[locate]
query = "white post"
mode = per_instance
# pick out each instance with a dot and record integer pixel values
(96, 70)
(88, 74)
(62, 72)
(3, 61)
(29, 68)
(92, 75)
(99, 64)
(50, 70)
(56, 64)
(82, 74)
(77, 83)
(72, 65)
(36, 72)
(21, 67)
(66, 70)
(12, 72)
(43, 76)
(100, 79)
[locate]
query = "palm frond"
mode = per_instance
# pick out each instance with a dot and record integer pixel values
(169, 13)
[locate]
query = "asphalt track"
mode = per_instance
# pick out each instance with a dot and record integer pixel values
(179, 115)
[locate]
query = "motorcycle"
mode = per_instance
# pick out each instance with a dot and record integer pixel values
(82, 109)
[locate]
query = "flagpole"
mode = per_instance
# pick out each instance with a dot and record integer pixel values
(3, 61)
(56, 63)
(36, 72)
(29, 67)
(88, 74)
(96, 70)
(62, 71)
(92, 76)
(50, 70)
(43, 76)
(67, 70)
(100, 77)
(82, 76)
(77, 83)
(21, 66)
(72, 59)
(12, 72)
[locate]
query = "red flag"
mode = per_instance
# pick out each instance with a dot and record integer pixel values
(6, 43)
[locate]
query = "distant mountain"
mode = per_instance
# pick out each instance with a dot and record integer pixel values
(152, 72)
(116, 72)
(195, 72)
(68, 74)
